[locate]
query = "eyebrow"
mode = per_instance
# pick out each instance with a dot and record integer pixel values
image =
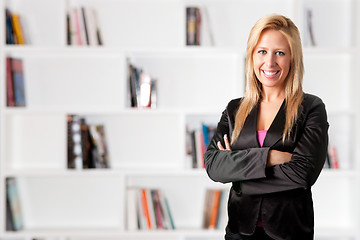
(276, 49)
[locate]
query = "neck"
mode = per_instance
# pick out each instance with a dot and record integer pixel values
(271, 95)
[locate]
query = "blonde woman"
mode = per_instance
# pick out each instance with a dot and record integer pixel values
(272, 143)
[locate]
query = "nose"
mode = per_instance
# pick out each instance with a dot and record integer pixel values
(270, 60)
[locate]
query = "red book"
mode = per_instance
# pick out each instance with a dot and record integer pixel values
(9, 84)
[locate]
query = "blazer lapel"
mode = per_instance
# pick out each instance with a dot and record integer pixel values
(248, 137)
(276, 129)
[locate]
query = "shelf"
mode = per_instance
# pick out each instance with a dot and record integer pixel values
(147, 147)
(148, 172)
(103, 50)
(338, 173)
(107, 110)
(332, 233)
(336, 232)
(113, 233)
(329, 50)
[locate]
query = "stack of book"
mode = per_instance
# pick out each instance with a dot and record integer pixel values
(214, 216)
(148, 209)
(14, 30)
(197, 141)
(142, 88)
(83, 27)
(15, 89)
(86, 143)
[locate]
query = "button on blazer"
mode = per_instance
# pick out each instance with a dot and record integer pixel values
(280, 194)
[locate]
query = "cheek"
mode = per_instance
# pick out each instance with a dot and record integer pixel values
(286, 66)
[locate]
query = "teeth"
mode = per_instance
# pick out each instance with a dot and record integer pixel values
(270, 73)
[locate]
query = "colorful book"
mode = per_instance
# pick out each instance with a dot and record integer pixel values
(18, 81)
(9, 84)
(13, 199)
(16, 24)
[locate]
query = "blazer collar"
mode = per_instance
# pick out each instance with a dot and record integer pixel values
(248, 136)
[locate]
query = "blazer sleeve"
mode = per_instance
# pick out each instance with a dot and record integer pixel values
(307, 160)
(229, 166)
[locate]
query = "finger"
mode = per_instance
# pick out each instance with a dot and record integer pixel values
(220, 146)
(227, 144)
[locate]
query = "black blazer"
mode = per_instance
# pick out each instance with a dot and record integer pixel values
(281, 194)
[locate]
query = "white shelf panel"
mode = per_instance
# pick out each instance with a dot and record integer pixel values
(320, 233)
(116, 50)
(117, 234)
(85, 173)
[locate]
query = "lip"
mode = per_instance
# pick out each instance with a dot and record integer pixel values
(274, 74)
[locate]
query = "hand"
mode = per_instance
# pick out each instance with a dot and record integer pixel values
(277, 157)
(227, 144)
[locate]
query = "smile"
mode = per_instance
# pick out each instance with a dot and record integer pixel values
(270, 74)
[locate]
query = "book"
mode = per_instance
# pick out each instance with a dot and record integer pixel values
(214, 204)
(158, 212)
(99, 146)
(214, 209)
(145, 90)
(10, 101)
(15, 211)
(190, 26)
(9, 28)
(333, 157)
(86, 145)
(74, 140)
(16, 24)
(18, 81)
(207, 27)
(85, 26)
(168, 218)
(78, 24)
(197, 141)
(142, 88)
(309, 27)
(132, 209)
(145, 208)
(148, 209)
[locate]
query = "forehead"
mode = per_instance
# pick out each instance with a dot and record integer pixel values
(272, 38)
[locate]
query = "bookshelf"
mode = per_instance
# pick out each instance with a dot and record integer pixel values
(147, 146)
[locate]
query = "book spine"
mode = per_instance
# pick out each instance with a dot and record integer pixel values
(9, 84)
(14, 203)
(17, 29)
(190, 26)
(83, 12)
(9, 28)
(145, 205)
(214, 209)
(18, 82)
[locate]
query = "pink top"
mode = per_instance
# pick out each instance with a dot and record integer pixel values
(261, 137)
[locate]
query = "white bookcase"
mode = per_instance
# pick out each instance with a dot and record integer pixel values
(147, 147)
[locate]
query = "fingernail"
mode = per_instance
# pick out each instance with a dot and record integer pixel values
(225, 136)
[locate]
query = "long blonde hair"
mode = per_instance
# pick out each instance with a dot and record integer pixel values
(293, 89)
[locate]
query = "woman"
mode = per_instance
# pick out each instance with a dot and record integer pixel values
(272, 143)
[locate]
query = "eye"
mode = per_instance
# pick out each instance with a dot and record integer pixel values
(280, 53)
(262, 52)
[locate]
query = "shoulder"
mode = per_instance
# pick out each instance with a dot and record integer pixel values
(234, 104)
(311, 101)
(313, 110)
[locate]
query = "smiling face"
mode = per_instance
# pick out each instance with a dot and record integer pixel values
(271, 58)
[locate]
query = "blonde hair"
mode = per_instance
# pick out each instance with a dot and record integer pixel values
(293, 89)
